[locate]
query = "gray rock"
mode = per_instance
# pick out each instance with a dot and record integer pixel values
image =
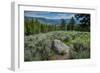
(60, 47)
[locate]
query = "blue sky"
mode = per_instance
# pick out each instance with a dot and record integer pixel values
(49, 15)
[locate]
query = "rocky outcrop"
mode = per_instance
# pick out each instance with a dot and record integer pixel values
(60, 47)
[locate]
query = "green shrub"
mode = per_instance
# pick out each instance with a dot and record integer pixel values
(39, 46)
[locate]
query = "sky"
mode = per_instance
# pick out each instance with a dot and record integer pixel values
(49, 15)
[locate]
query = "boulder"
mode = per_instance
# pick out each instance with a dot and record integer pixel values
(60, 47)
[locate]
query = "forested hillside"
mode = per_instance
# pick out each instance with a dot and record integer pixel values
(33, 26)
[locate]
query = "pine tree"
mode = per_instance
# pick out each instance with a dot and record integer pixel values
(71, 24)
(63, 23)
(84, 21)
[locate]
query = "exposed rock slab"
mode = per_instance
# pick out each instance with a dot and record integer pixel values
(60, 46)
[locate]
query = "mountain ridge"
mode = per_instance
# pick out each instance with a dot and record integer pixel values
(49, 21)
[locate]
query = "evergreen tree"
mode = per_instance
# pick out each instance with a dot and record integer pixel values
(63, 23)
(71, 24)
(84, 21)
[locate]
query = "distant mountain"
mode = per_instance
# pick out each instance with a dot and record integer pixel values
(52, 21)
(49, 21)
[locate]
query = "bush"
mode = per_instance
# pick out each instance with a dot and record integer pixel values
(39, 46)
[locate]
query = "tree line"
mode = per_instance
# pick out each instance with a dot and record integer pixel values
(33, 26)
